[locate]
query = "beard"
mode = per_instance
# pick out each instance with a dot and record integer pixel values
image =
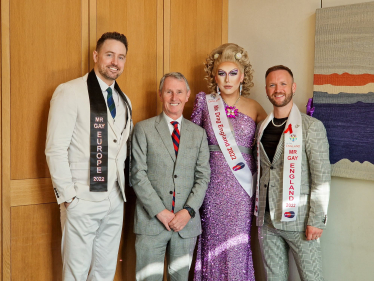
(104, 71)
(286, 100)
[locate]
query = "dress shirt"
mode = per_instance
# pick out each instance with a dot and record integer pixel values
(120, 119)
(170, 126)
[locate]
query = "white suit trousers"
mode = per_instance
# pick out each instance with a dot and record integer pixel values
(91, 233)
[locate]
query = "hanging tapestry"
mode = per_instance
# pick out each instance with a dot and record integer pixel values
(343, 91)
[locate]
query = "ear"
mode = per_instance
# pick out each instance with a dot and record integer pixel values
(294, 87)
(95, 56)
(188, 95)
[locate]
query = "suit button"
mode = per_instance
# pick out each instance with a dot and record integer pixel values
(271, 167)
(175, 176)
(114, 140)
(171, 192)
(265, 185)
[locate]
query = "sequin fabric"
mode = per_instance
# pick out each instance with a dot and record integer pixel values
(224, 251)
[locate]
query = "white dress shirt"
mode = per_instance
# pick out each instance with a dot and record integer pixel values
(120, 119)
(170, 126)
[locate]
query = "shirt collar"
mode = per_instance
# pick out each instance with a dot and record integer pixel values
(104, 85)
(168, 119)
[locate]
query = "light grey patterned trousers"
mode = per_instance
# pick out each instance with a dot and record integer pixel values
(275, 244)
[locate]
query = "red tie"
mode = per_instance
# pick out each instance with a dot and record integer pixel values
(175, 136)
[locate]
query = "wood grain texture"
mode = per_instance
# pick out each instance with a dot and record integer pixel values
(92, 28)
(85, 37)
(196, 29)
(138, 21)
(161, 13)
(1, 205)
(5, 140)
(225, 21)
(39, 61)
(31, 192)
(36, 243)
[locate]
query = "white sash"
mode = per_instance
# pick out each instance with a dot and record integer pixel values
(227, 143)
(293, 140)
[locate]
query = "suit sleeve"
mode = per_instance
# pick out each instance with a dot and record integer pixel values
(202, 176)
(144, 191)
(317, 149)
(61, 122)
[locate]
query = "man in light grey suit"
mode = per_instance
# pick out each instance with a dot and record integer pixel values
(170, 174)
(89, 124)
(293, 190)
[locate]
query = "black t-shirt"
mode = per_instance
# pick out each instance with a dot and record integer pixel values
(270, 139)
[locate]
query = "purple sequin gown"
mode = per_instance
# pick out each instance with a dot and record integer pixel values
(224, 251)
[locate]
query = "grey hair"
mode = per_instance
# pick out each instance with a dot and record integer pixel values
(176, 75)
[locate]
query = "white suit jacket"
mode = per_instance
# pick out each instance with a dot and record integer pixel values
(68, 144)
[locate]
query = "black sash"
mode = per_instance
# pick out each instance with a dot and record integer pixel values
(98, 136)
(99, 133)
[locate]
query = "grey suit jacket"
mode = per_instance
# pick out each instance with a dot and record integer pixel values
(155, 172)
(315, 180)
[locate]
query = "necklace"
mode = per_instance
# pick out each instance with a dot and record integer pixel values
(272, 121)
(231, 111)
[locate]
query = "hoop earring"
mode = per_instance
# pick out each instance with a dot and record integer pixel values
(218, 91)
(240, 89)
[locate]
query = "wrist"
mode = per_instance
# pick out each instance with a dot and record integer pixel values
(190, 211)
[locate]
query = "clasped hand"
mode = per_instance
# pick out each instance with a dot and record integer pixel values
(175, 222)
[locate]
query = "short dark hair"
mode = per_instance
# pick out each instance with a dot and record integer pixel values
(112, 35)
(278, 67)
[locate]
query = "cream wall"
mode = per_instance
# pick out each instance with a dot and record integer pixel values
(282, 32)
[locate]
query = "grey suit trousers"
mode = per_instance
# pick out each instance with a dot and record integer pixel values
(275, 244)
(150, 256)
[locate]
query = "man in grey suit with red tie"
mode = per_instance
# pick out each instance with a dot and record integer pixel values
(170, 174)
(293, 186)
(89, 125)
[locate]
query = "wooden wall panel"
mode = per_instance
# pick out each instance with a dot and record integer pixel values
(138, 21)
(36, 243)
(195, 30)
(45, 44)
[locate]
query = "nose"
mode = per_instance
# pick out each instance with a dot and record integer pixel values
(114, 60)
(227, 78)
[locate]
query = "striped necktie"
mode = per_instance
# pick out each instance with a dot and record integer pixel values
(110, 101)
(175, 137)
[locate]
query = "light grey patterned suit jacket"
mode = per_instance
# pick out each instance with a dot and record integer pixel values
(156, 171)
(315, 179)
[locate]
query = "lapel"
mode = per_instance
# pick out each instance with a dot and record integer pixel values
(163, 130)
(279, 150)
(111, 124)
(124, 131)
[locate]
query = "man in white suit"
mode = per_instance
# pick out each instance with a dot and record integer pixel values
(89, 125)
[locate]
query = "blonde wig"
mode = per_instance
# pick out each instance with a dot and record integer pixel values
(229, 53)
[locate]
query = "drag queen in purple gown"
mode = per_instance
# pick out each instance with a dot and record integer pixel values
(224, 251)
